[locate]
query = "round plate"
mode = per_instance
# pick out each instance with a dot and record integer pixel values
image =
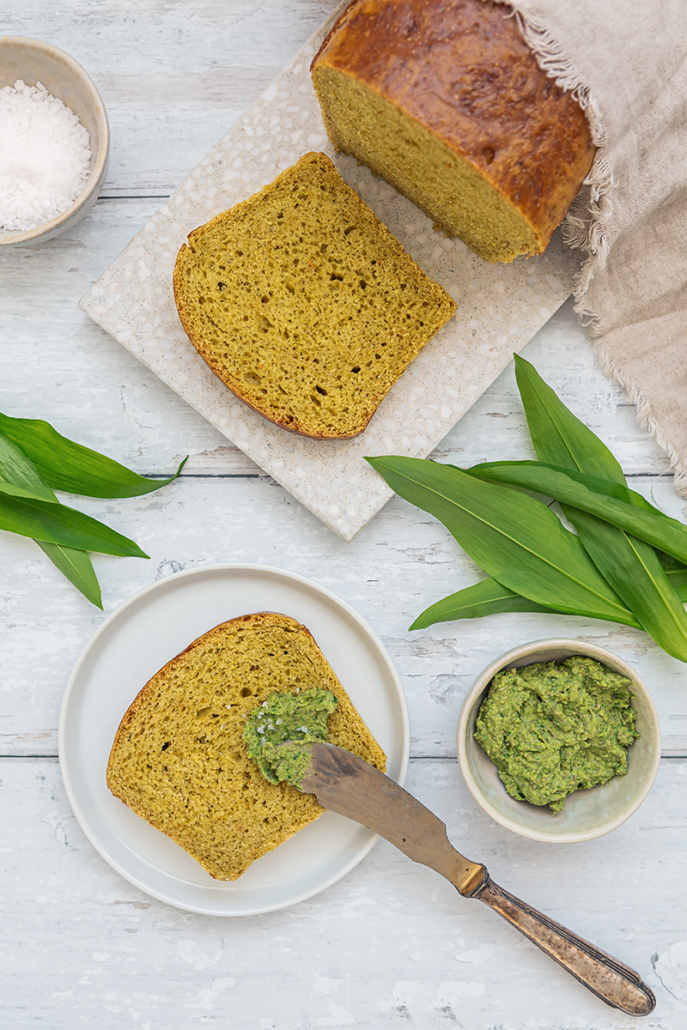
(137, 640)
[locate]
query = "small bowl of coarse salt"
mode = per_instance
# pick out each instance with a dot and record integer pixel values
(54, 141)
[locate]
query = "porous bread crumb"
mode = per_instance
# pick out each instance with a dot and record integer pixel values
(304, 304)
(179, 759)
(419, 164)
(446, 101)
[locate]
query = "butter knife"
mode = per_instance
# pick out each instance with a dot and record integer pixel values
(346, 784)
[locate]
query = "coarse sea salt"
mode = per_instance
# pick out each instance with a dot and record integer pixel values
(44, 156)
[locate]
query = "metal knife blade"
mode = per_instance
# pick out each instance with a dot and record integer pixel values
(346, 784)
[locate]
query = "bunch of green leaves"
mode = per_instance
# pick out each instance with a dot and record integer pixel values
(626, 562)
(35, 460)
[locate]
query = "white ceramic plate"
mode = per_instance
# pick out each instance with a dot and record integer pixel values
(131, 645)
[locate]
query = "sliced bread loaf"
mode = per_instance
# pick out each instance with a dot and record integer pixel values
(446, 101)
(304, 304)
(179, 759)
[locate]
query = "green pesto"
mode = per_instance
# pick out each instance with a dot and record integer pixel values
(551, 729)
(296, 718)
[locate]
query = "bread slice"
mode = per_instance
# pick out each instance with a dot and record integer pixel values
(179, 760)
(304, 304)
(447, 102)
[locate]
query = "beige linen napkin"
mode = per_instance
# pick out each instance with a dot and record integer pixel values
(626, 61)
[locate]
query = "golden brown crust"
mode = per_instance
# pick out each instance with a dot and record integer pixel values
(462, 69)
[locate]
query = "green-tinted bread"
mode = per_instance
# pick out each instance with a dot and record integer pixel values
(179, 759)
(446, 101)
(304, 304)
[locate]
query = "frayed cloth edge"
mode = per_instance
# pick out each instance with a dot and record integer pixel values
(586, 225)
(644, 415)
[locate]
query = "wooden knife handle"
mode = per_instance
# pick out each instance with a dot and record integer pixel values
(611, 980)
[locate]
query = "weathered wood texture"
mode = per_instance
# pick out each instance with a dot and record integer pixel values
(173, 75)
(402, 562)
(391, 945)
(93, 389)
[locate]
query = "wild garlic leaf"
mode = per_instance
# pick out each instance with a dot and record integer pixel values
(490, 598)
(66, 465)
(605, 487)
(559, 437)
(630, 565)
(52, 522)
(514, 538)
(655, 528)
(18, 470)
(475, 602)
(678, 581)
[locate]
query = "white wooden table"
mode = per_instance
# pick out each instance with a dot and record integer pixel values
(391, 945)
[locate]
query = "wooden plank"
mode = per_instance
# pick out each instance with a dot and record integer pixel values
(402, 562)
(173, 76)
(391, 945)
(80, 377)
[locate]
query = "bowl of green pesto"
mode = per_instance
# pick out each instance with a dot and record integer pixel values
(559, 740)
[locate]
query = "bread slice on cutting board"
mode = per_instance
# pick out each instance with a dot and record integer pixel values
(304, 304)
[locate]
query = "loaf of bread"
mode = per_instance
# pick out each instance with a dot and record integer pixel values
(179, 759)
(445, 101)
(304, 304)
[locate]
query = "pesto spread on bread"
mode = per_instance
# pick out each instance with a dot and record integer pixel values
(553, 728)
(276, 730)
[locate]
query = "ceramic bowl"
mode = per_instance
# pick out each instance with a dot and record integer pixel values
(587, 813)
(35, 61)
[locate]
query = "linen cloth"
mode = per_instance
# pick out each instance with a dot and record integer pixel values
(626, 62)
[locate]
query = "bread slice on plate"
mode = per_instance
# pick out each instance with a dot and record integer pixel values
(179, 759)
(304, 304)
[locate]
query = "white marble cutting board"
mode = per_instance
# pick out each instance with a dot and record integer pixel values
(500, 308)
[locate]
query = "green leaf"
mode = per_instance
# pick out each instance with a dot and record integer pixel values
(18, 470)
(678, 581)
(24, 492)
(669, 563)
(489, 598)
(654, 527)
(630, 565)
(55, 523)
(515, 539)
(66, 465)
(605, 487)
(484, 598)
(559, 437)
(77, 567)
(633, 569)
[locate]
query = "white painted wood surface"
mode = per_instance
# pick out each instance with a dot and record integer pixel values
(390, 945)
